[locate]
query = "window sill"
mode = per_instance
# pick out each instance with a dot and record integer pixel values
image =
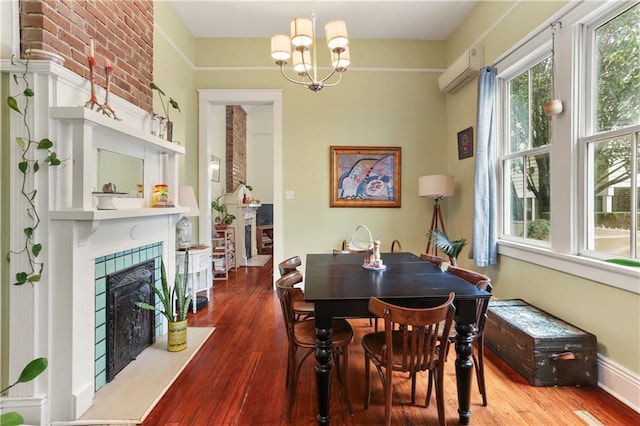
(622, 277)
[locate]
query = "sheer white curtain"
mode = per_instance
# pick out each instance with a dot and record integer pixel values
(484, 248)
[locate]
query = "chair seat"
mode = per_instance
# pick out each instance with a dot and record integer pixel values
(374, 343)
(305, 333)
(304, 307)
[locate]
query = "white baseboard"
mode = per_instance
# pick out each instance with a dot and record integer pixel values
(33, 409)
(621, 383)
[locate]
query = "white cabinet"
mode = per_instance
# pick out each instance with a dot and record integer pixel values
(199, 274)
(224, 253)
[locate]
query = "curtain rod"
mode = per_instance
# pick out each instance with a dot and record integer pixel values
(554, 21)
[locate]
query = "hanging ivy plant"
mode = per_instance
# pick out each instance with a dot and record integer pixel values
(29, 166)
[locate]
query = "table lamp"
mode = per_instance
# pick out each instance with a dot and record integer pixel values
(436, 187)
(186, 198)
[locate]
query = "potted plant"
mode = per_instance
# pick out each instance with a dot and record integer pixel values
(175, 305)
(451, 248)
(165, 106)
(246, 187)
(224, 218)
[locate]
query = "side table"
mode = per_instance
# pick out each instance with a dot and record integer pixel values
(199, 275)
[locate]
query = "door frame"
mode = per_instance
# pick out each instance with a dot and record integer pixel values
(208, 99)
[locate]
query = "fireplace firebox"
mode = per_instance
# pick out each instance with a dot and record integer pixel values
(130, 329)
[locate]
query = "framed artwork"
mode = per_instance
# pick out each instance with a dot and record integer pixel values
(214, 167)
(364, 176)
(465, 143)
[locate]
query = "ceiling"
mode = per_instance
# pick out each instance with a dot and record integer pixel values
(390, 19)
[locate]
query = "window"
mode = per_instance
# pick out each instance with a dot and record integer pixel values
(570, 184)
(526, 162)
(611, 136)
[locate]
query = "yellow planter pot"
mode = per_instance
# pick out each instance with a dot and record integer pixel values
(177, 336)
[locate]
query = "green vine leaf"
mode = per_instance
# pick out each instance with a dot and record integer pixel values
(36, 167)
(21, 278)
(45, 144)
(28, 92)
(28, 231)
(36, 249)
(13, 104)
(20, 142)
(52, 159)
(34, 279)
(32, 196)
(23, 166)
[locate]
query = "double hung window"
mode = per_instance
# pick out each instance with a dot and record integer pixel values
(570, 184)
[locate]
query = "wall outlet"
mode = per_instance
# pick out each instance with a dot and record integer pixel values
(289, 195)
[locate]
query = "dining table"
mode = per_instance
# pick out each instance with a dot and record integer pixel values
(340, 286)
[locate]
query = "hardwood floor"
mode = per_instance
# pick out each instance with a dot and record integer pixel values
(238, 378)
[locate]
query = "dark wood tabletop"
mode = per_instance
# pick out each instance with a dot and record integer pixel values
(340, 287)
(341, 276)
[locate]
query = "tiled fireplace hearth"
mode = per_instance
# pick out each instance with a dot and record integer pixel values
(61, 317)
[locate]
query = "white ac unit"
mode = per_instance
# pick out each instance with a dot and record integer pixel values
(462, 70)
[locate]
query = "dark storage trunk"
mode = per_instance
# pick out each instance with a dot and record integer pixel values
(544, 349)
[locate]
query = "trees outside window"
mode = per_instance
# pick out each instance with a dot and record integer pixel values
(526, 163)
(611, 137)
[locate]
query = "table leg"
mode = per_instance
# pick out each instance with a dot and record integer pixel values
(323, 366)
(464, 365)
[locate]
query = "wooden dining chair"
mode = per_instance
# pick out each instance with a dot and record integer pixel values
(483, 282)
(302, 339)
(396, 247)
(304, 310)
(413, 340)
(432, 259)
(289, 265)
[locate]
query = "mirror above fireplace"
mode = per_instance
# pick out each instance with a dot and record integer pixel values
(124, 171)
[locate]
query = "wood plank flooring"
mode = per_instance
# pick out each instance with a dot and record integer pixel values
(238, 378)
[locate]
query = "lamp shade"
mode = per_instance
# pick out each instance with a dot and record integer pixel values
(436, 186)
(187, 198)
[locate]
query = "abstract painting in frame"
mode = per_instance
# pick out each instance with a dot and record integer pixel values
(465, 143)
(365, 176)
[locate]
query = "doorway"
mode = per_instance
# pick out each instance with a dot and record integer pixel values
(210, 102)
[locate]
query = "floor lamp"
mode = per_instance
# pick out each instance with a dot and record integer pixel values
(436, 187)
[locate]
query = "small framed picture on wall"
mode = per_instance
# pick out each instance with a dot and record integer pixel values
(465, 143)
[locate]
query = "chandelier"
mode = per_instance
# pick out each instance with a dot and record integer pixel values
(303, 37)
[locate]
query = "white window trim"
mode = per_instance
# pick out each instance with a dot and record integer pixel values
(562, 255)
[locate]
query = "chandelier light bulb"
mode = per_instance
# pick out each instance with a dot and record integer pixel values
(336, 33)
(340, 60)
(281, 47)
(301, 62)
(301, 32)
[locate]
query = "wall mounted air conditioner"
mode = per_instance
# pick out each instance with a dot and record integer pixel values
(463, 70)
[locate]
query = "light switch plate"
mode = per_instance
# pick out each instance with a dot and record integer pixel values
(289, 195)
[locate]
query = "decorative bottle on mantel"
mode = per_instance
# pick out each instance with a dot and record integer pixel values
(244, 199)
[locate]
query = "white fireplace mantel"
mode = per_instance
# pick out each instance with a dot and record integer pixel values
(246, 214)
(55, 318)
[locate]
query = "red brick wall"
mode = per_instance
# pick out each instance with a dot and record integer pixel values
(122, 31)
(236, 164)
